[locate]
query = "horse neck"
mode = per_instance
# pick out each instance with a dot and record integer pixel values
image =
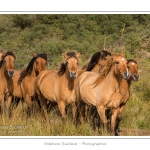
(33, 72)
(96, 68)
(112, 78)
(69, 81)
(2, 71)
(124, 86)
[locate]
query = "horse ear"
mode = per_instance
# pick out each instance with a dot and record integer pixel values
(14, 52)
(114, 57)
(122, 54)
(78, 54)
(64, 55)
(112, 54)
(135, 59)
(3, 53)
(35, 54)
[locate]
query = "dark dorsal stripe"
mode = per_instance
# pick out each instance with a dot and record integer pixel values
(95, 58)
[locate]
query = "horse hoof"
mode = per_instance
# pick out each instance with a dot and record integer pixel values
(116, 134)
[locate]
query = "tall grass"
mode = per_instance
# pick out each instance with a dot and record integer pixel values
(135, 122)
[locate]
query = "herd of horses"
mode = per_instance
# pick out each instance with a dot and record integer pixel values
(102, 84)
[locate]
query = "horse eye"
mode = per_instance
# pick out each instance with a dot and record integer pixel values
(117, 62)
(128, 67)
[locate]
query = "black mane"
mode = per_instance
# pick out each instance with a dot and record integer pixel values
(95, 58)
(29, 68)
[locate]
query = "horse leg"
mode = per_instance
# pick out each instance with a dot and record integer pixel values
(119, 117)
(8, 104)
(74, 109)
(43, 103)
(76, 114)
(28, 101)
(86, 109)
(81, 112)
(2, 104)
(101, 111)
(15, 102)
(95, 118)
(113, 121)
(62, 106)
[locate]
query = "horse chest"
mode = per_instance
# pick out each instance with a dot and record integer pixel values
(67, 95)
(6, 86)
(115, 100)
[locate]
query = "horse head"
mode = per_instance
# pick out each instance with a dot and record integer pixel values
(7, 60)
(121, 66)
(71, 61)
(39, 62)
(133, 69)
(105, 56)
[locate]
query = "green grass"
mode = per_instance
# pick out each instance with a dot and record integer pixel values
(135, 118)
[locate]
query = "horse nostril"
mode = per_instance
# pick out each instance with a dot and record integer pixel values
(126, 75)
(73, 74)
(11, 73)
(135, 77)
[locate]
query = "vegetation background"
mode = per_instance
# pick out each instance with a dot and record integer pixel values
(54, 34)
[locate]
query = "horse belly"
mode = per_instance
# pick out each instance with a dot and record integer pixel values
(88, 96)
(17, 92)
(86, 90)
(70, 97)
(49, 91)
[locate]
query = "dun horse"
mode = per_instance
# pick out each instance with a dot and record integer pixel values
(96, 63)
(58, 86)
(125, 87)
(102, 90)
(28, 76)
(6, 83)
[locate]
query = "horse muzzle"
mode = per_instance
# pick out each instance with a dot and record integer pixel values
(11, 73)
(126, 75)
(136, 77)
(73, 74)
